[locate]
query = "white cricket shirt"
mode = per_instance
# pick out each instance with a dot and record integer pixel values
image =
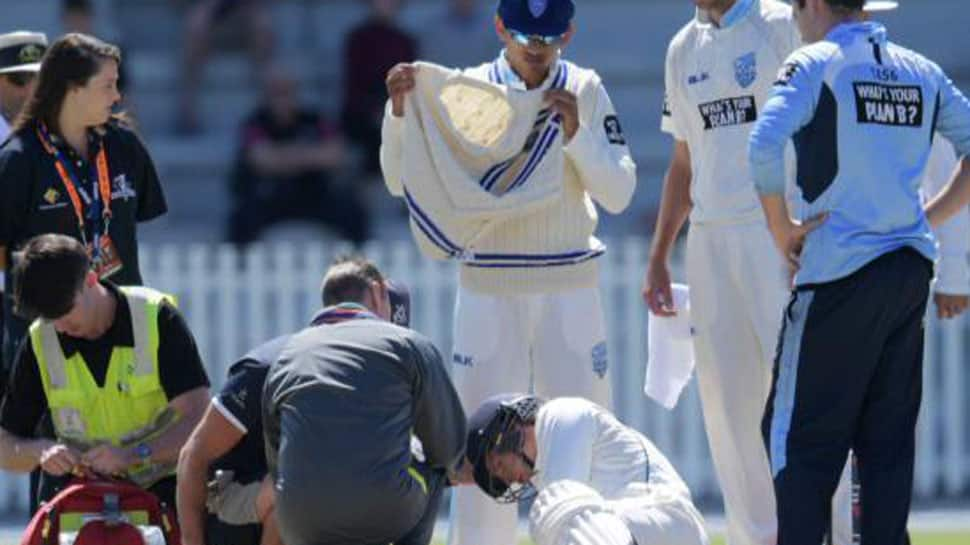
(717, 79)
(579, 440)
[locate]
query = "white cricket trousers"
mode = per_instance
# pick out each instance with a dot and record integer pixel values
(738, 290)
(553, 342)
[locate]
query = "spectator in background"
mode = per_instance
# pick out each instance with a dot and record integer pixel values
(370, 51)
(285, 171)
(78, 16)
(459, 35)
(199, 24)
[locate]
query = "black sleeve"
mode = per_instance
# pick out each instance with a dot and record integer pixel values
(439, 420)
(24, 403)
(179, 364)
(151, 199)
(241, 396)
(15, 183)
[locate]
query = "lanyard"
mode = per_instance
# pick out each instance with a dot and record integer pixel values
(100, 200)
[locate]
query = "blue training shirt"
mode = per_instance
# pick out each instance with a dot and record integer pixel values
(861, 112)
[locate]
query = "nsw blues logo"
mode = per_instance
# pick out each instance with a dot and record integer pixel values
(745, 70)
(600, 363)
(538, 7)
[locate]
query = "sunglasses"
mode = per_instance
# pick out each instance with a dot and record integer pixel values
(20, 79)
(536, 39)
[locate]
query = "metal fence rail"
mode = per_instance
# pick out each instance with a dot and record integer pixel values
(235, 299)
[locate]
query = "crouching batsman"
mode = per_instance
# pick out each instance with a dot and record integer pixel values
(597, 481)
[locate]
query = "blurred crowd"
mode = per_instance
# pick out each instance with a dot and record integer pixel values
(295, 162)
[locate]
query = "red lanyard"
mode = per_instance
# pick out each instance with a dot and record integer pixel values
(70, 183)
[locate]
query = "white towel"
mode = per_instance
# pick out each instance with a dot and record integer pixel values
(670, 352)
(474, 152)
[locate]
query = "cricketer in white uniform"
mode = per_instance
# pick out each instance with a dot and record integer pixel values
(532, 320)
(719, 70)
(598, 482)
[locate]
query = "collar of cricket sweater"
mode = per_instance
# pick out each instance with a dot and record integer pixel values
(501, 72)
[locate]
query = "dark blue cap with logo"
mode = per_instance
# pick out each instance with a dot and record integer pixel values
(400, 297)
(537, 17)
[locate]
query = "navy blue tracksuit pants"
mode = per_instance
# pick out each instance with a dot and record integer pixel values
(848, 374)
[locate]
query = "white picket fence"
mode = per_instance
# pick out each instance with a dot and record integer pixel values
(234, 300)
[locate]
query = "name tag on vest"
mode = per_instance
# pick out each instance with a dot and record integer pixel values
(69, 422)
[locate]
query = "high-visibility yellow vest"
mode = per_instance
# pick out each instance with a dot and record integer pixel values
(130, 408)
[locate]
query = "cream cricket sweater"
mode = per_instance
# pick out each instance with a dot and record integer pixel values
(541, 244)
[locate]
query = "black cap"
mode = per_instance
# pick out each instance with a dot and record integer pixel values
(537, 17)
(400, 298)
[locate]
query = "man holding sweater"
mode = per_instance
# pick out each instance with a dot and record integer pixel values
(528, 308)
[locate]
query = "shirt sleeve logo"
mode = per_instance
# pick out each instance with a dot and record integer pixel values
(786, 73)
(614, 132)
(746, 70)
